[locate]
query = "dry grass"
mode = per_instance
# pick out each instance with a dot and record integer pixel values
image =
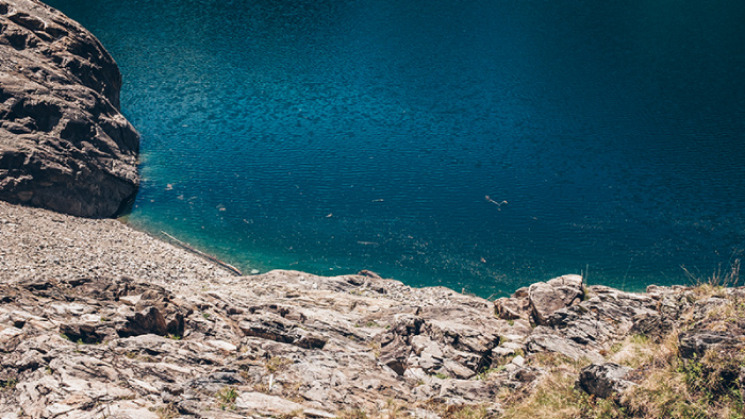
(277, 363)
(556, 396)
(719, 278)
(668, 386)
(167, 412)
(638, 351)
(397, 409)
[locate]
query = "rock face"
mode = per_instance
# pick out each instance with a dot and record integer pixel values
(604, 380)
(64, 145)
(547, 297)
(542, 299)
(99, 320)
(279, 340)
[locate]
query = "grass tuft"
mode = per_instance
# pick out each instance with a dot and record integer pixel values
(226, 396)
(719, 278)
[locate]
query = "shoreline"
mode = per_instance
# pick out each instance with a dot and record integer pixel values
(249, 269)
(100, 319)
(111, 320)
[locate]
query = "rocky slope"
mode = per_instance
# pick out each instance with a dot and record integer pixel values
(64, 145)
(97, 319)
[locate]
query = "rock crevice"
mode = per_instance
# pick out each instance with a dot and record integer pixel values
(64, 145)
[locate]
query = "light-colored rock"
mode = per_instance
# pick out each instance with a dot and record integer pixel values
(266, 404)
(547, 297)
(512, 308)
(519, 361)
(221, 344)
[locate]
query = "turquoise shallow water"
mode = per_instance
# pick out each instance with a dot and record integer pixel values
(334, 136)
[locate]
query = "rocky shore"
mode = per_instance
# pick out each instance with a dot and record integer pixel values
(99, 320)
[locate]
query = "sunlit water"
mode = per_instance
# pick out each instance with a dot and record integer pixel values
(333, 136)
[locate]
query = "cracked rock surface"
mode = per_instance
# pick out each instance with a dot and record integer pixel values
(64, 145)
(97, 319)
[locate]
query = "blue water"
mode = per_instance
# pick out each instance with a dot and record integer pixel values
(333, 136)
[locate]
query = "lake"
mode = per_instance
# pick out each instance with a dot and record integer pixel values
(478, 145)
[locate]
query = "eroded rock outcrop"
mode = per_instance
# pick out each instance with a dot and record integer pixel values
(97, 319)
(604, 380)
(143, 329)
(64, 145)
(320, 345)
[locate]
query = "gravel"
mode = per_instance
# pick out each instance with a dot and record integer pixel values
(36, 243)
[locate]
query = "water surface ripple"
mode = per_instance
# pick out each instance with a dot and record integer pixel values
(332, 136)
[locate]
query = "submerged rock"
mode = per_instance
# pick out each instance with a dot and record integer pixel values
(64, 145)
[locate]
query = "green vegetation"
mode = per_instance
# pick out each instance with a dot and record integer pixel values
(226, 396)
(10, 383)
(668, 386)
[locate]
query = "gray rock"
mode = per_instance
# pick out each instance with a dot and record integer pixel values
(585, 329)
(545, 340)
(604, 380)
(86, 333)
(395, 355)
(547, 297)
(694, 344)
(149, 320)
(512, 308)
(651, 324)
(267, 404)
(64, 145)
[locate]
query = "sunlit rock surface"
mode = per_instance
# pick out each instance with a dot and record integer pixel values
(64, 145)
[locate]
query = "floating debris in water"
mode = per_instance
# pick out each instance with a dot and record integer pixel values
(498, 204)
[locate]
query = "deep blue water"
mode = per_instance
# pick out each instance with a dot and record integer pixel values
(332, 135)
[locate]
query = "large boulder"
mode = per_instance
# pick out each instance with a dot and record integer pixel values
(605, 380)
(64, 145)
(547, 297)
(695, 343)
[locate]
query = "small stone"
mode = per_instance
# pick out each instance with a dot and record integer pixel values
(519, 361)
